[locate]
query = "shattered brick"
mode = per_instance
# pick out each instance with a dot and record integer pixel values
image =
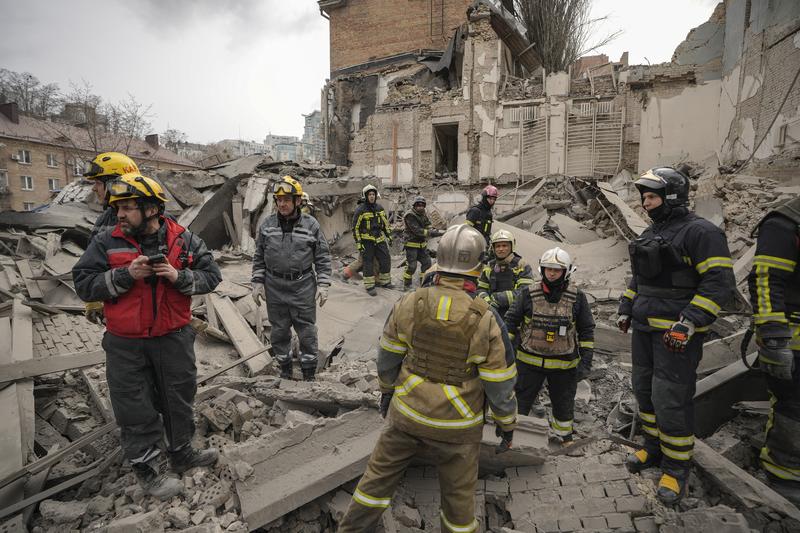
(618, 521)
(631, 504)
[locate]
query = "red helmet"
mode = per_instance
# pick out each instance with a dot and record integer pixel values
(490, 190)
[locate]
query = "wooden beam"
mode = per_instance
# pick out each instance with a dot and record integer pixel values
(22, 351)
(25, 271)
(243, 338)
(57, 363)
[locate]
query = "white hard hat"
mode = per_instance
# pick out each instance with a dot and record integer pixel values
(557, 258)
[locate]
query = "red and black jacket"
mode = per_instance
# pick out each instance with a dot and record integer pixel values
(149, 307)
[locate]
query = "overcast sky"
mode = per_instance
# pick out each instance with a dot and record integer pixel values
(221, 69)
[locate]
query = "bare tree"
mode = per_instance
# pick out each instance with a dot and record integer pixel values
(173, 138)
(128, 120)
(27, 91)
(560, 30)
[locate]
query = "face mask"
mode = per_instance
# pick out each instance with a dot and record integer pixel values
(660, 213)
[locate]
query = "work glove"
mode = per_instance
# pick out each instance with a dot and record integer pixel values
(322, 294)
(258, 293)
(436, 233)
(623, 323)
(776, 358)
(386, 399)
(93, 311)
(677, 337)
(583, 372)
(505, 439)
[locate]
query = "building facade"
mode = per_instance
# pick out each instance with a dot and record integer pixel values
(313, 140)
(38, 157)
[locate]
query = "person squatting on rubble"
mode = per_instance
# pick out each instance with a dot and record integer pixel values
(145, 271)
(682, 276)
(417, 231)
(479, 216)
(553, 329)
(101, 170)
(441, 357)
(774, 285)
(373, 237)
(292, 267)
(505, 274)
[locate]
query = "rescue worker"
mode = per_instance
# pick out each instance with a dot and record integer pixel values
(682, 276)
(775, 294)
(553, 329)
(479, 215)
(292, 267)
(418, 230)
(145, 271)
(373, 236)
(100, 171)
(306, 205)
(505, 274)
(441, 357)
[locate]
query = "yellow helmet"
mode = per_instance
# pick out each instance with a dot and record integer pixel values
(134, 185)
(288, 186)
(108, 165)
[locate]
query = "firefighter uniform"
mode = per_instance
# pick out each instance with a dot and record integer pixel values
(775, 294)
(292, 258)
(502, 279)
(417, 231)
(553, 330)
(682, 275)
(371, 232)
(479, 216)
(441, 358)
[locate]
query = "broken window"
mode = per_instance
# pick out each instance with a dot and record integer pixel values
(445, 137)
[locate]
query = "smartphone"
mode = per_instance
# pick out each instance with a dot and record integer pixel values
(155, 259)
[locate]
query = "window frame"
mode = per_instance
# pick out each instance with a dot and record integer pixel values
(52, 158)
(23, 183)
(50, 184)
(22, 160)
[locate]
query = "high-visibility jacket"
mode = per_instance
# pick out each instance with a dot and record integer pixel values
(145, 307)
(417, 229)
(439, 393)
(370, 223)
(500, 281)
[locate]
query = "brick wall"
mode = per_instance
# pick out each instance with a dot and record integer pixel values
(363, 30)
(14, 196)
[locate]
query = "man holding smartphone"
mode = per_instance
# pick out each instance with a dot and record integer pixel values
(145, 272)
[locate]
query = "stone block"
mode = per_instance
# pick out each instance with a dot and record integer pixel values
(631, 504)
(595, 490)
(618, 521)
(615, 489)
(62, 512)
(645, 524)
(138, 523)
(570, 494)
(529, 471)
(549, 496)
(496, 487)
(546, 525)
(594, 506)
(518, 484)
(179, 516)
(407, 516)
(521, 504)
(569, 524)
(571, 478)
(594, 523)
(338, 504)
(606, 473)
(547, 481)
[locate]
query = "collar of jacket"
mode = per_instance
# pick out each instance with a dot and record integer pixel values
(458, 283)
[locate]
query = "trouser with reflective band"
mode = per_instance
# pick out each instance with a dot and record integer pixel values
(664, 386)
(561, 384)
(414, 255)
(780, 455)
(291, 303)
(458, 477)
(379, 251)
(152, 383)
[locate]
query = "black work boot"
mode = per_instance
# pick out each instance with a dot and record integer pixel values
(407, 287)
(309, 372)
(187, 458)
(156, 484)
(670, 489)
(372, 292)
(641, 460)
(286, 370)
(389, 285)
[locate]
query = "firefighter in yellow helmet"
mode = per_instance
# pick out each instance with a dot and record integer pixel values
(145, 271)
(554, 330)
(441, 357)
(292, 267)
(100, 171)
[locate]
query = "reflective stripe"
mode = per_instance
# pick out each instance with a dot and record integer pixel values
(443, 310)
(704, 303)
(408, 385)
(505, 420)
(412, 244)
(523, 282)
(384, 385)
(436, 422)
(586, 344)
(476, 359)
(561, 428)
(546, 362)
(371, 501)
(771, 261)
(650, 430)
(677, 441)
(647, 417)
(672, 454)
(783, 472)
(392, 346)
(503, 374)
(629, 294)
(665, 323)
(714, 262)
(469, 528)
(458, 402)
(761, 318)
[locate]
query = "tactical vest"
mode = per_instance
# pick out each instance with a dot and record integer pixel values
(412, 240)
(503, 279)
(551, 330)
(790, 210)
(660, 265)
(440, 348)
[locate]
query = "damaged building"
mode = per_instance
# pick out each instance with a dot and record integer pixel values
(479, 108)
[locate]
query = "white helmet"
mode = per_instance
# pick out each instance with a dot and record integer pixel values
(461, 250)
(557, 258)
(503, 235)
